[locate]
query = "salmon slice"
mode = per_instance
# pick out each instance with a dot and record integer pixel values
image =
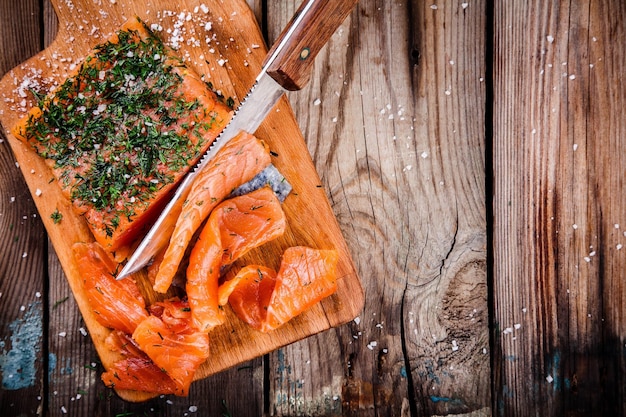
(250, 299)
(235, 226)
(240, 160)
(248, 221)
(116, 304)
(266, 300)
(305, 277)
(178, 350)
(135, 371)
(122, 131)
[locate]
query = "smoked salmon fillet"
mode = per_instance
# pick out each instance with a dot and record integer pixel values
(240, 160)
(234, 227)
(266, 300)
(116, 304)
(121, 132)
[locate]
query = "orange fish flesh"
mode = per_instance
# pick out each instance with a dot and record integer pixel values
(235, 226)
(240, 160)
(266, 300)
(116, 304)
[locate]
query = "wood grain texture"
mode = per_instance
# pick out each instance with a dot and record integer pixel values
(394, 120)
(559, 168)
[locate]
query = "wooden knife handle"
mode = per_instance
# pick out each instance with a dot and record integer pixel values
(292, 55)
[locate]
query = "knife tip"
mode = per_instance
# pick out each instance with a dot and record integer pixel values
(125, 272)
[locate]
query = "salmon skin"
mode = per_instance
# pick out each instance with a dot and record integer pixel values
(234, 227)
(266, 299)
(240, 160)
(122, 131)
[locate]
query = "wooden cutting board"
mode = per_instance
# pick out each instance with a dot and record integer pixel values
(220, 39)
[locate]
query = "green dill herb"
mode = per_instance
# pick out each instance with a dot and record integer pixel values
(59, 302)
(119, 129)
(56, 216)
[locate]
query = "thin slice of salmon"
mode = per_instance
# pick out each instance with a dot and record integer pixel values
(266, 300)
(306, 276)
(203, 275)
(135, 370)
(236, 163)
(234, 227)
(250, 299)
(177, 349)
(116, 304)
(249, 221)
(121, 131)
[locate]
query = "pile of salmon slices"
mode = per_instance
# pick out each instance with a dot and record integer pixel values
(119, 135)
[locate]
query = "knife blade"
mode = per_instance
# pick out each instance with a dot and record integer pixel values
(287, 67)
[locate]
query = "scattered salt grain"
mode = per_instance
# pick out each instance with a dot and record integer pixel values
(24, 255)
(38, 192)
(424, 155)
(63, 409)
(549, 379)
(616, 225)
(575, 147)
(572, 77)
(464, 5)
(193, 408)
(619, 246)
(82, 331)
(37, 294)
(371, 345)
(317, 102)
(62, 334)
(433, 6)
(550, 38)
(575, 226)
(517, 326)
(357, 320)
(455, 346)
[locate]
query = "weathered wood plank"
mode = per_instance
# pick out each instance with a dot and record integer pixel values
(559, 168)
(394, 120)
(22, 239)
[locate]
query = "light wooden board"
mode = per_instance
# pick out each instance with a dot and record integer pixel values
(230, 61)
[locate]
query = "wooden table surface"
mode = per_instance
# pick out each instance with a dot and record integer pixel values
(474, 153)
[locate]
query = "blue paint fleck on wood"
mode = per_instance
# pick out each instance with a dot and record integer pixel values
(18, 364)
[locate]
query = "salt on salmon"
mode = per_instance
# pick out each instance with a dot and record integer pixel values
(234, 227)
(176, 347)
(122, 131)
(116, 304)
(266, 299)
(240, 160)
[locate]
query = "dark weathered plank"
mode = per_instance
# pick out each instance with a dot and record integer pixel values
(559, 169)
(22, 239)
(394, 120)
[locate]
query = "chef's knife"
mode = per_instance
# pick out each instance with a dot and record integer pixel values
(287, 67)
